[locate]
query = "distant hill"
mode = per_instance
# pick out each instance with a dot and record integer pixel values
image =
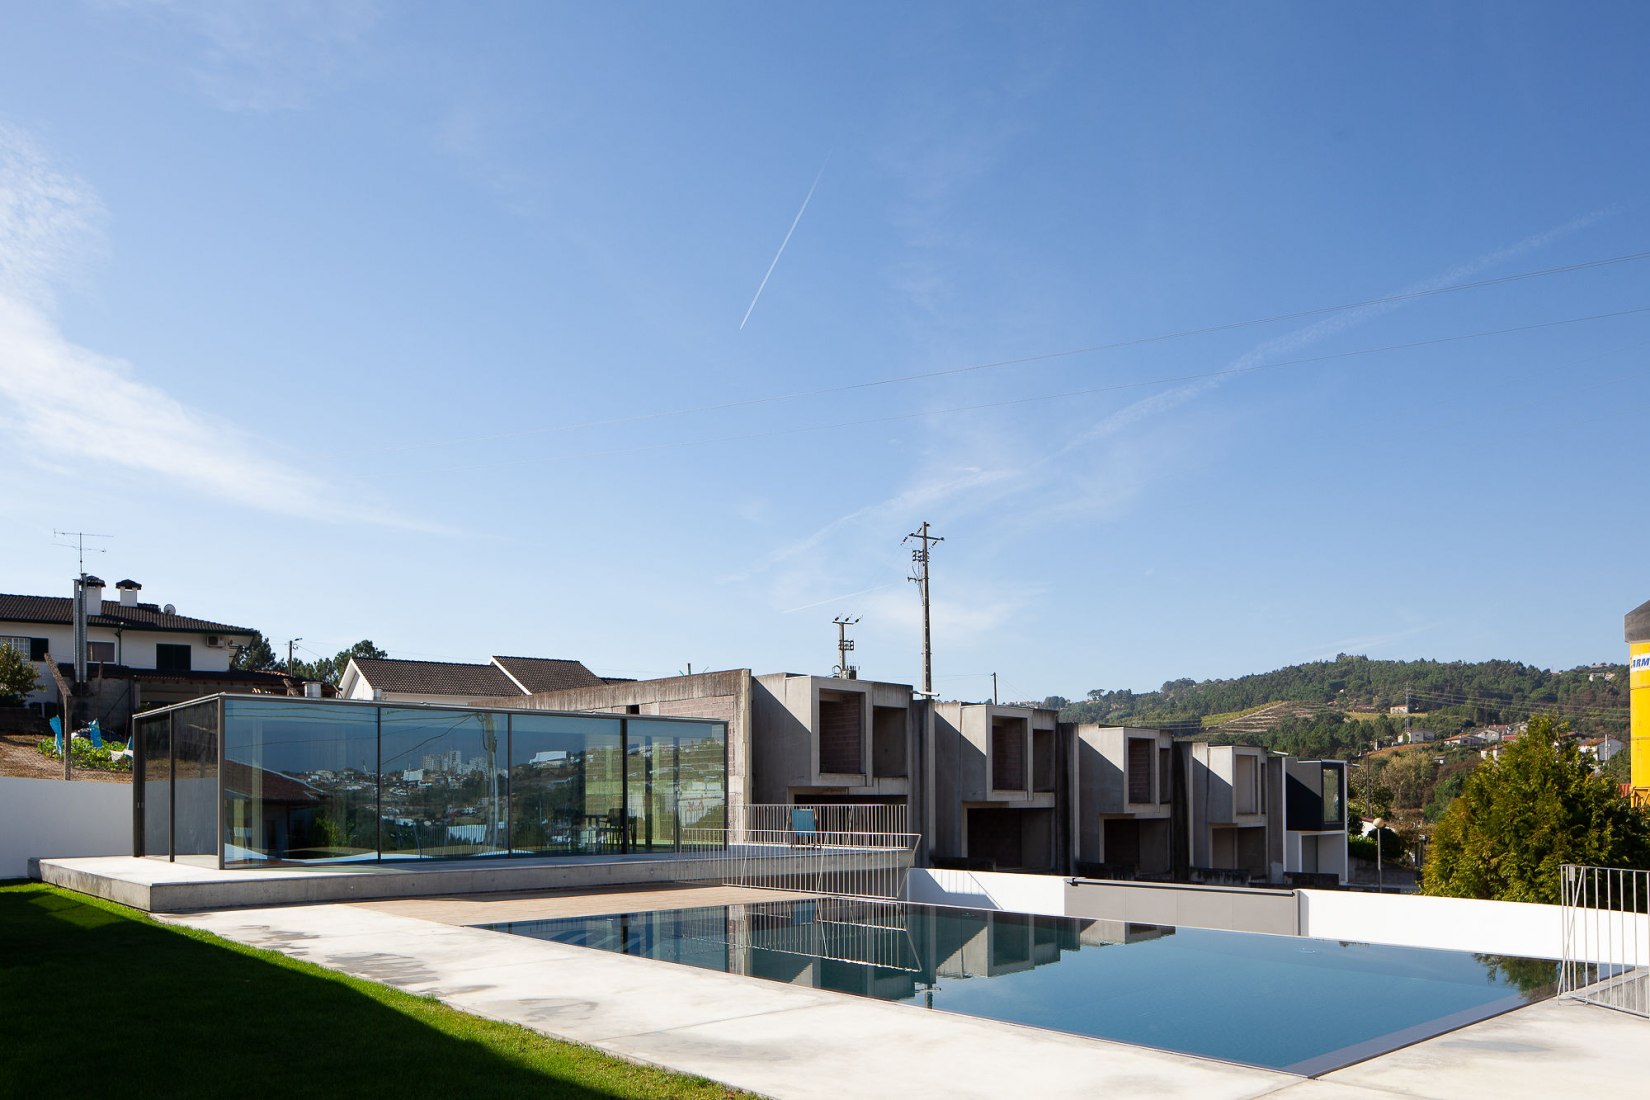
(1339, 707)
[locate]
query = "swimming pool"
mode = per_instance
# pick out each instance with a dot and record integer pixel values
(1302, 1005)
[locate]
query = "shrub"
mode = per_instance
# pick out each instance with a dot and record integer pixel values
(85, 755)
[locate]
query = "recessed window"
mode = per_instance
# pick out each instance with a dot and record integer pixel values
(172, 658)
(100, 653)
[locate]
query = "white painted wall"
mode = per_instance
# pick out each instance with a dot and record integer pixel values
(1044, 895)
(49, 818)
(1405, 920)
(1459, 924)
(133, 647)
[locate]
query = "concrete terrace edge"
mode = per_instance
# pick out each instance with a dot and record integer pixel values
(157, 887)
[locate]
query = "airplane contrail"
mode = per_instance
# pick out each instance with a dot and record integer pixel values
(782, 245)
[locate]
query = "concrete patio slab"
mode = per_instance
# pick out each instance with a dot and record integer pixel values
(800, 1042)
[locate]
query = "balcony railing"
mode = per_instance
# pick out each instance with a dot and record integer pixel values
(1606, 938)
(857, 851)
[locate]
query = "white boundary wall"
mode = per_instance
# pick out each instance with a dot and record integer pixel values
(1405, 920)
(1044, 895)
(51, 818)
(1454, 924)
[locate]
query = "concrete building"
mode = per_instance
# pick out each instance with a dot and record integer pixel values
(1226, 813)
(1124, 779)
(997, 782)
(792, 738)
(1312, 840)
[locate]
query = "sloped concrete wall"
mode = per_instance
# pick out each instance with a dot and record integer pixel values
(50, 818)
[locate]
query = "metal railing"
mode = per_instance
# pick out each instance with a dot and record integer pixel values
(1606, 937)
(860, 851)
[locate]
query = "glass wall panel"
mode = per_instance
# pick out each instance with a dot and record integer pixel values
(154, 738)
(677, 775)
(300, 781)
(565, 792)
(195, 780)
(442, 783)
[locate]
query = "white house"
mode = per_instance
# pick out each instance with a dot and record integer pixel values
(136, 653)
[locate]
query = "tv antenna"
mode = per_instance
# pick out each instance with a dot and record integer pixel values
(844, 646)
(79, 544)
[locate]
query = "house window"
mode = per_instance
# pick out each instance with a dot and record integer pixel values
(172, 658)
(39, 648)
(1165, 774)
(1333, 812)
(1140, 770)
(100, 653)
(22, 645)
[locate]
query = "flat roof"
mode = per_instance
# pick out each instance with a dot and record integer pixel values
(399, 705)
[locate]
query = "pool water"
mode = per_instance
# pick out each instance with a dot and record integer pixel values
(1302, 1005)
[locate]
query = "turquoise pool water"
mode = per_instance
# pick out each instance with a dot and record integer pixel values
(1302, 1005)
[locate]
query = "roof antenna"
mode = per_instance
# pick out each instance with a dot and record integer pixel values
(79, 544)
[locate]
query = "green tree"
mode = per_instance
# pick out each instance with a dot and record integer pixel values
(329, 670)
(256, 656)
(1522, 816)
(17, 676)
(1409, 775)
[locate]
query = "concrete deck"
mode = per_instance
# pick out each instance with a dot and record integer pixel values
(195, 882)
(798, 1042)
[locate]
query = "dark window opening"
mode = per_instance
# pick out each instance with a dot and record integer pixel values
(1140, 770)
(840, 735)
(172, 658)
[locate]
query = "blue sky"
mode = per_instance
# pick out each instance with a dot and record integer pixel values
(424, 323)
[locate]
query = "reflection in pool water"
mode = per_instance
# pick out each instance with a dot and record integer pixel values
(1302, 1005)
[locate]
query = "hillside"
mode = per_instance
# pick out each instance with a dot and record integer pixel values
(1340, 706)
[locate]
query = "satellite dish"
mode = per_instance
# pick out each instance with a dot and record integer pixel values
(170, 610)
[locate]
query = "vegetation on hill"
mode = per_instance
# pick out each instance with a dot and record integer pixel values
(1521, 816)
(1444, 696)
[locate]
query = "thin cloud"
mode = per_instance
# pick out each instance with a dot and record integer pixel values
(48, 383)
(261, 57)
(794, 223)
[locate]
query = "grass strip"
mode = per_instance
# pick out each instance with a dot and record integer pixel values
(99, 999)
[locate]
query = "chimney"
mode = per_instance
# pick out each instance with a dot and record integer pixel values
(93, 596)
(128, 592)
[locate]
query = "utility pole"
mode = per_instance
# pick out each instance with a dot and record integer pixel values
(994, 688)
(78, 689)
(919, 558)
(291, 644)
(844, 646)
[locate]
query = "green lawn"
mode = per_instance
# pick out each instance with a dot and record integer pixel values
(99, 1000)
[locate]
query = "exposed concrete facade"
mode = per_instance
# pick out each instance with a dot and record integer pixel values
(1124, 779)
(791, 738)
(1227, 810)
(998, 786)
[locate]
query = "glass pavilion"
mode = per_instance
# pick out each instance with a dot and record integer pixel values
(267, 779)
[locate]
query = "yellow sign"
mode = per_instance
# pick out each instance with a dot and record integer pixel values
(1639, 679)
